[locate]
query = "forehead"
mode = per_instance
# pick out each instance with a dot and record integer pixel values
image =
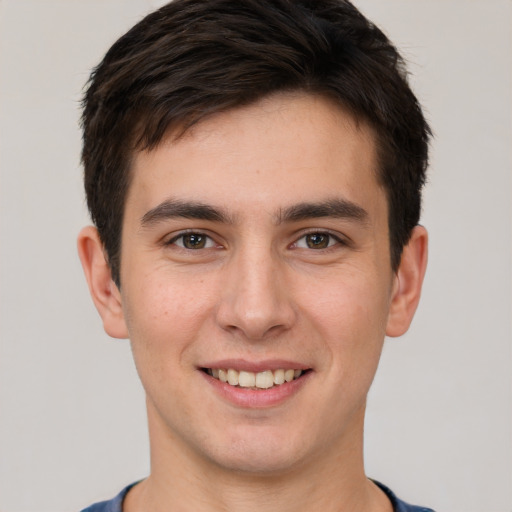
(284, 149)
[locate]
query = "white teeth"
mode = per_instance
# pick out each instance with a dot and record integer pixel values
(260, 380)
(247, 380)
(233, 377)
(264, 380)
(279, 377)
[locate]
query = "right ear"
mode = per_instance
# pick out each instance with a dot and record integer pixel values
(104, 292)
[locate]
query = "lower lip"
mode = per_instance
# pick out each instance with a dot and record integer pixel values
(257, 398)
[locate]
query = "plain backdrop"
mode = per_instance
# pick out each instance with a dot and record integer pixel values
(72, 417)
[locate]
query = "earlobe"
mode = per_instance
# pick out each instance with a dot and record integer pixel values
(408, 283)
(104, 292)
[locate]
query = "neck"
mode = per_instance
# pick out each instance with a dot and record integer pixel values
(329, 481)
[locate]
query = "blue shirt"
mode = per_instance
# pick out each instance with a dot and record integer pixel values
(116, 504)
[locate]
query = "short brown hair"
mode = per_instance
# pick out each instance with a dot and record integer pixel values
(194, 58)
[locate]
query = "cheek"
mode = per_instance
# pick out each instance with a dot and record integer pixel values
(164, 316)
(350, 315)
(350, 303)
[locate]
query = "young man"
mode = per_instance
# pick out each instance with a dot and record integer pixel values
(253, 170)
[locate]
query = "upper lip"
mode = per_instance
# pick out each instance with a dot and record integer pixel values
(255, 366)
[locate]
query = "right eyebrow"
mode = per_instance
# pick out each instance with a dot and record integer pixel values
(174, 208)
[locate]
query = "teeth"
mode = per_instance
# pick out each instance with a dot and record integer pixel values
(288, 375)
(279, 377)
(261, 380)
(233, 377)
(247, 380)
(264, 380)
(223, 376)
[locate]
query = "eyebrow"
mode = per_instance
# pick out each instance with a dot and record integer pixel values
(336, 208)
(175, 208)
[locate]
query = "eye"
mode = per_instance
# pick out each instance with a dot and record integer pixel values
(193, 241)
(316, 241)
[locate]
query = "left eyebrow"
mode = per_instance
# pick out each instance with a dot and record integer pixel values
(335, 208)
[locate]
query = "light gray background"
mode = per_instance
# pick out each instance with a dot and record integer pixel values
(72, 419)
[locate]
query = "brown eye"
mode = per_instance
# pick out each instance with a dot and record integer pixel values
(318, 240)
(194, 241)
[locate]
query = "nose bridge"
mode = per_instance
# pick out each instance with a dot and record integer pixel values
(255, 299)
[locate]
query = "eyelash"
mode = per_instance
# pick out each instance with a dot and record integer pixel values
(332, 241)
(208, 240)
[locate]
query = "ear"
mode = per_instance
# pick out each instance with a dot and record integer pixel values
(104, 292)
(408, 282)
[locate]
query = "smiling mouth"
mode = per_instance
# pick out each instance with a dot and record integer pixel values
(250, 380)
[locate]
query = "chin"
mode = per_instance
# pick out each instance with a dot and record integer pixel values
(264, 452)
(258, 463)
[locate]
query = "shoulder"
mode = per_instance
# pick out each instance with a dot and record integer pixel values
(398, 504)
(113, 505)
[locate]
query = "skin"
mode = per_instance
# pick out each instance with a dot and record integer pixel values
(256, 291)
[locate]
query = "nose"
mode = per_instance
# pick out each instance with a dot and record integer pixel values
(255, 299)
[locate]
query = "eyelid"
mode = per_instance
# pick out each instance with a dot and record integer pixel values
(176, 236)
(339, 238)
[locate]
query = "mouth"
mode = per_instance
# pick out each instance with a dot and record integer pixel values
(266, 379)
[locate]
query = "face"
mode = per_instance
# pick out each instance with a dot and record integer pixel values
(256, 249)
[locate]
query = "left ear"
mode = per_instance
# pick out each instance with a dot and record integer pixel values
(408, 282)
